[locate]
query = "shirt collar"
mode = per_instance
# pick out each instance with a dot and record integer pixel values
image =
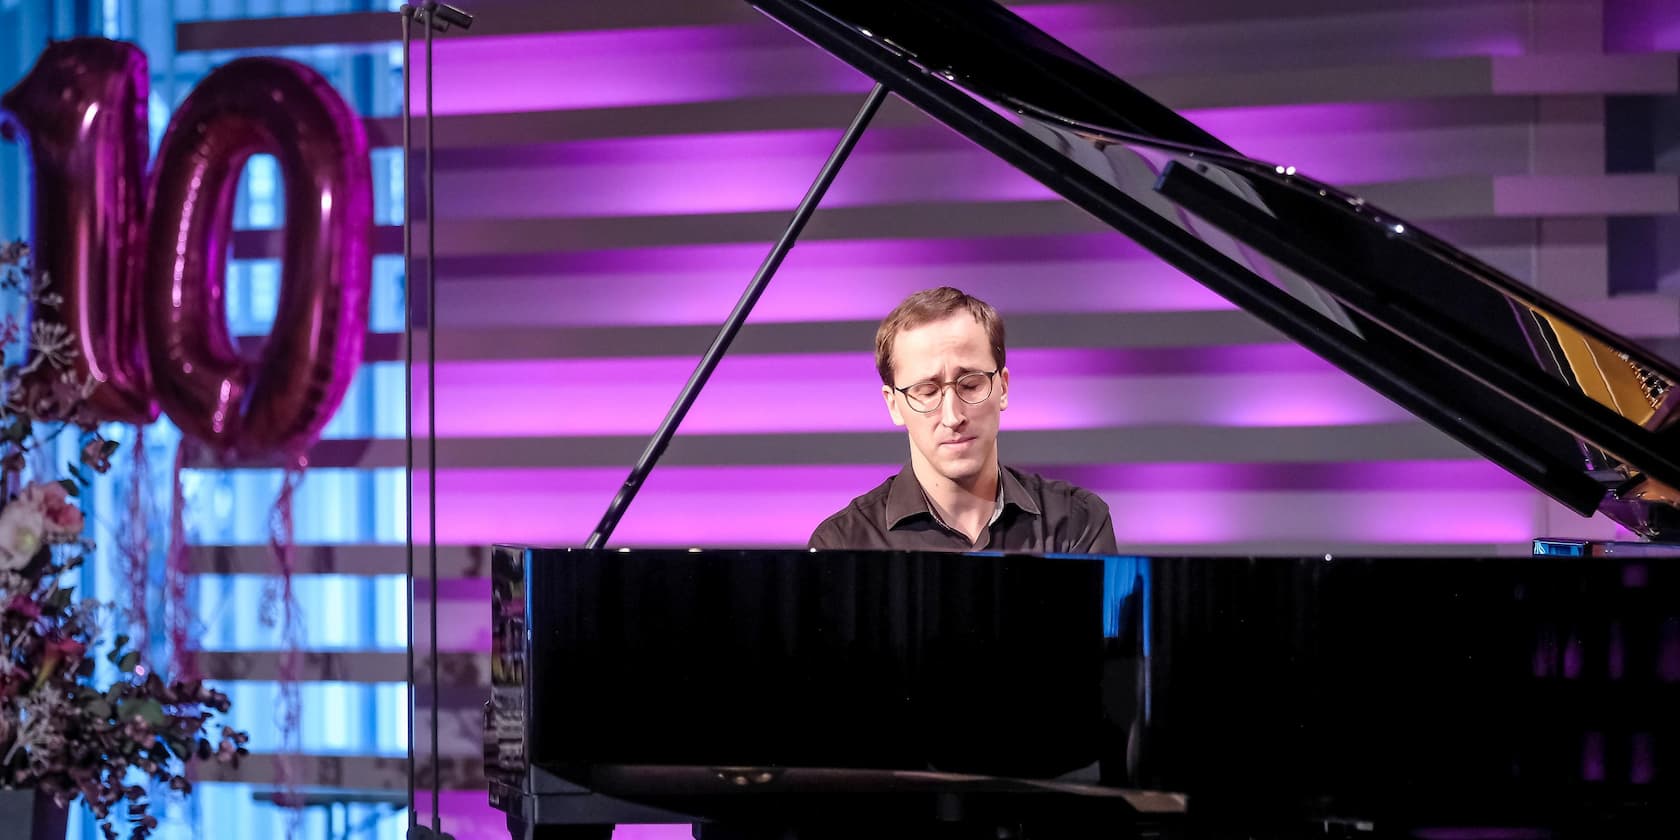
(905, 499)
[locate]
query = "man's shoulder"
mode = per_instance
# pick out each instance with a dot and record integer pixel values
(864, 511)
(1077, 519)
(874, 499)
(1047, 488)
(864, 504)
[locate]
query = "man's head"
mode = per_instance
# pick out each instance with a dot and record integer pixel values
(940, 354)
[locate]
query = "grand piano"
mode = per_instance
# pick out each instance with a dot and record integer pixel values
(869, 694)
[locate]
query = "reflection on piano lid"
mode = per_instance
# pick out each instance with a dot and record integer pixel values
(1581, 413)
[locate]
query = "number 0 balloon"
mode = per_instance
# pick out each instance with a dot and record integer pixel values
(280, 401)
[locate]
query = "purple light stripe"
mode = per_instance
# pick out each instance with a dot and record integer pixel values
(1318, 119)
(515, 73)
(800, 295)
(780, 505)
(463, 622)
(831, 281)
(1642, 26)
(736, 146)
(1279, 385)
(608, 68)
(1029, 361)
(1408, 476)
(453, 589)
(1365, 143)
(1644, 769)
(1455, 476)
(556, 71)
(1060, 18)
(469, 817)
(1209, 360)
(1483, 833)
(705, 174)
(1345, 142)
(1592, 756)
(870, 254)
(1194, 42)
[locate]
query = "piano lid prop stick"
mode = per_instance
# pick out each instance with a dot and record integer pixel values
(732, 325)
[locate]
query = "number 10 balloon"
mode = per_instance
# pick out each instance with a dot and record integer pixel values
(139, 262)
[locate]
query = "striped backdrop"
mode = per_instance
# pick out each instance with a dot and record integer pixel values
(610, 174)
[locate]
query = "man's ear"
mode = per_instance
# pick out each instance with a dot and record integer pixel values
(1003, 384)
(887, 394)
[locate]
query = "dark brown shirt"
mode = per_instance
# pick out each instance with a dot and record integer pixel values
(1037, 515)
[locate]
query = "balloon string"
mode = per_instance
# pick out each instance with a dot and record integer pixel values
(134, 542)
(178, 616)
(289, 713)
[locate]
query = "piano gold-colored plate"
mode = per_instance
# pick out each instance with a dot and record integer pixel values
(1612, 379)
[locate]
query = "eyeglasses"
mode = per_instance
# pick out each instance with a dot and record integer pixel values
(927, 395)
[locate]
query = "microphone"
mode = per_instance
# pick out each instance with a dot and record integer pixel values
(441, 16)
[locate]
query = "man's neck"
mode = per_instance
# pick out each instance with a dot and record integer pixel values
(966, 507)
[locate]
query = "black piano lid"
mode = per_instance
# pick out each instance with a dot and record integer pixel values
(1584, 415)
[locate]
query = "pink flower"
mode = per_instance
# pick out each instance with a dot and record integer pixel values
(62, 521)
(22, 533)
(24, 605)
(69, 650)
(59, 650)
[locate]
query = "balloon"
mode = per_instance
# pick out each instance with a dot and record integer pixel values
(82, 114)
(279, 401)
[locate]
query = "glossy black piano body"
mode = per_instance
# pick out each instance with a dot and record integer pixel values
(869, 691)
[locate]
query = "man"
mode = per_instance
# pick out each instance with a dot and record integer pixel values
(940, 354)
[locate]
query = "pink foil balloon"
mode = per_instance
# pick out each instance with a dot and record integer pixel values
(82, 113)
(279, 401)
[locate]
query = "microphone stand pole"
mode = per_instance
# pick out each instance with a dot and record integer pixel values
(435, 17)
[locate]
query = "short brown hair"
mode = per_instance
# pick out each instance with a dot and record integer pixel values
(931, 305)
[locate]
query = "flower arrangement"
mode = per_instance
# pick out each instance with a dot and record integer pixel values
(63, 730)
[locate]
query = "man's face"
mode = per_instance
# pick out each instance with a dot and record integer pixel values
(956, 440)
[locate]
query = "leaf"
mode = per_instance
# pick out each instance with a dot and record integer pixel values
(106, 448)
(129, 662)
(58, 600)
(149, 710)
(19, 430)
(100, 708)
(70, 487)
(178, 746)
(121, 641)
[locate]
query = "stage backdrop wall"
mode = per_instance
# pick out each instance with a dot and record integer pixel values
(609, 175)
